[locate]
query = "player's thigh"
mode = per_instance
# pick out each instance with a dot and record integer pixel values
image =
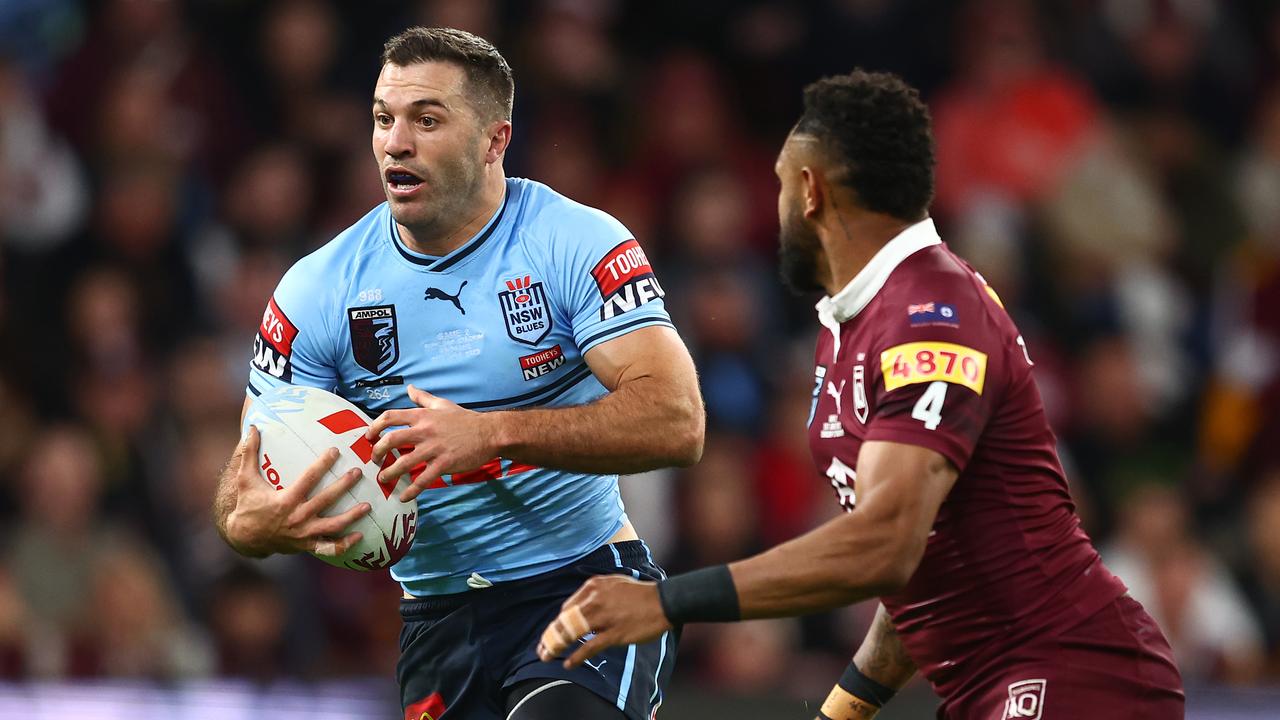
(557, 699)
(441, 666)
(632, 678)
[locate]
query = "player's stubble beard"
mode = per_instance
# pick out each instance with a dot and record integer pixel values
(452, 188)
(798, 251)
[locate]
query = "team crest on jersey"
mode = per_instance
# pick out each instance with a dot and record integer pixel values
(860, 407)
(374, 342)
(525, 310)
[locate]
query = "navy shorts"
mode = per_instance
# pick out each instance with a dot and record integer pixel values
(460, 654)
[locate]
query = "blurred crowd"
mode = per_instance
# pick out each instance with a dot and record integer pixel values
(1111, 166)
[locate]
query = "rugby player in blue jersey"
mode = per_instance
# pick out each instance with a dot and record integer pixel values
(515, 347)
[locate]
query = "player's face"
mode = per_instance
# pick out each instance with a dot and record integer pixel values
(798, 244)
(428, 141)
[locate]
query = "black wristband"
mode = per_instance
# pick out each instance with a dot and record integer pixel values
(706, 595)
(864, 688)
(823, 716)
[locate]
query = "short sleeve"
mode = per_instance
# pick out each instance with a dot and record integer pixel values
(934, 383)
(293, 345)
(605, 280)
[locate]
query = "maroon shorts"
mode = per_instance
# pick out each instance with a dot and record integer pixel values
(1115, 665)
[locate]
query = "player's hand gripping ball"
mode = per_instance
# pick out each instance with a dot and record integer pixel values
(297, 426)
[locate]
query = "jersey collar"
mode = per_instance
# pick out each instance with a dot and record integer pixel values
(432, 263)
(850, 301)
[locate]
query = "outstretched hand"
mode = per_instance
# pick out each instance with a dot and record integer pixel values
(266, 520)
(617, 609)
(446, 437)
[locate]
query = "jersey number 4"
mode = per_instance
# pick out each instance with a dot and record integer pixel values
(928, 409)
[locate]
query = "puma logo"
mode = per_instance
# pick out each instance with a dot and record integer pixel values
(438, 294)
(835, 392)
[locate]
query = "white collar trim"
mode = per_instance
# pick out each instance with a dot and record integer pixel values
(855, 296)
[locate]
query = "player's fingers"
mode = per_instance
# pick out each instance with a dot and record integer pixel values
(403, 437)
(420, 397)
(556, 637)
(429, 474)
(587, 650)
(302, 488)
(330, 494)
(575, 621)
(330, 547)
(248, 452)
(386, 420)
(403, 464)
(333, 525)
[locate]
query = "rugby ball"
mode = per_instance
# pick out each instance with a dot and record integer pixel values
(296, 425)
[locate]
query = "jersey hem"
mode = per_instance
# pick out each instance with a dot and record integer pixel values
(458, 583)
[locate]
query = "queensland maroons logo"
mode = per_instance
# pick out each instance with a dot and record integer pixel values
(1026, 700)
(374, 344)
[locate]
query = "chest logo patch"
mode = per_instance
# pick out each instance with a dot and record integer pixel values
(374, 343)
(541, 362)
(525, 311)
(924, 362)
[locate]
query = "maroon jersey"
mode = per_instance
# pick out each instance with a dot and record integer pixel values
(918, 350)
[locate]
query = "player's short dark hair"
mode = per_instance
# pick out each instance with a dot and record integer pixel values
(877, 126)
(488, 73)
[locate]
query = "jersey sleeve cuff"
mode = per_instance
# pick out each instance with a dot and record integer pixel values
(950, 448)
(597, 335)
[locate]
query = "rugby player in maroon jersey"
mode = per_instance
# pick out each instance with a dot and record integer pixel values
(927, 421)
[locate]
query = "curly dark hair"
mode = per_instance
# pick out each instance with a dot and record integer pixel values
(877, 125)
(487, 71)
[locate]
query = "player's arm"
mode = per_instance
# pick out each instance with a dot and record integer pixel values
(251, 516)
(257, 521)
(871, 551)
(879, 669)
(652, 417)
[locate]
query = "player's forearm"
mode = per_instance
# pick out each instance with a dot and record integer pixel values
(882, 657)
(224, 501)
(847, 560)
(879, 669)
(647, 423)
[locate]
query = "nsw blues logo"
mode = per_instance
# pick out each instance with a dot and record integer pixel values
(374, 343)
(525, 311)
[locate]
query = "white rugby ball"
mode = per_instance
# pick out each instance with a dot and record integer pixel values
(298, 424)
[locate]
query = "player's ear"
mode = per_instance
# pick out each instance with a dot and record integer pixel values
(499, 135)
(813, 190)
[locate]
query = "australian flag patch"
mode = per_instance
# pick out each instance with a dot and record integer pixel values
(932, 313)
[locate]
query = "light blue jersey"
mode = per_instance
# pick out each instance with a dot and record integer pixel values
(502, 322)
